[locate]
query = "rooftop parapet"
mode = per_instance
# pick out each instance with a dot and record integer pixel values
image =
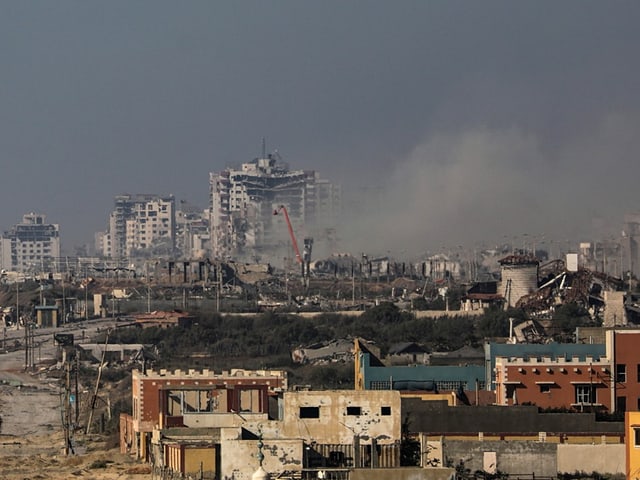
(206, 373)
(553, 361)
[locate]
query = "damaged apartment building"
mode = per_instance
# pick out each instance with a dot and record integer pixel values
(243, 202)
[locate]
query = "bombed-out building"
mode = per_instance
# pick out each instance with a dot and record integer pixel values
(243, 202)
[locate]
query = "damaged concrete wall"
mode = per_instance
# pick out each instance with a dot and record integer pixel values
(239, 458)
(336, 417)
(614, 312)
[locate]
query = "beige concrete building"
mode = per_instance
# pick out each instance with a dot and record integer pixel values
(139, 222)
(31, 245)
(343, 416)
(218, 424)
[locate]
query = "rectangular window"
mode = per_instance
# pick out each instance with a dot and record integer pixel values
(636, 437)
(621, 373)
(621, 404)
(638, 378)
(180, 402)
(354, 411)
(545, 388)
(309, 412)
(585, 394)
(385, 411)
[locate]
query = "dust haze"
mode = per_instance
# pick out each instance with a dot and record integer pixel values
(485, 186)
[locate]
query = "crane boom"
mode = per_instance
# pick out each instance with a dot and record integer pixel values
(283, 209)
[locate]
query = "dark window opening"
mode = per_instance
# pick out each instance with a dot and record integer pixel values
(621, 404)
(385, 411)
(309, 412)
(354, 411)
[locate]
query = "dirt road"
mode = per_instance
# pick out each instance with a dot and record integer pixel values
(31, 435)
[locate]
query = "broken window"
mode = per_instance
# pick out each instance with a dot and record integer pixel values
(249, 400)
(386, 411)
(180, 402)
(354, 411)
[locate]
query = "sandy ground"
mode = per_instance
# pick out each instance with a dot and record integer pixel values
(31, 434)
(41, 457)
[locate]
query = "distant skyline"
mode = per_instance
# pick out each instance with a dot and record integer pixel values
(465, 121)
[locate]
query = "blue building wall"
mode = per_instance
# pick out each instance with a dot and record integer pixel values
(372, 374)
(419, 377)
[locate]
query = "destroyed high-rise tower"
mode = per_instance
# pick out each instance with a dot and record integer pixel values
(242, 202)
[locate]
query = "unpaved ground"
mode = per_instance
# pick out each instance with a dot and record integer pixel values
(31, 435)
(32, 441)
(41, 457)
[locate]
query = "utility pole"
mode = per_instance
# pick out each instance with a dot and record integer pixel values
(29, 349)
(95, 392)
(26, 348)
(66, 417)
(64, 303)
(17, 305)
(77, 399)
(353, 285)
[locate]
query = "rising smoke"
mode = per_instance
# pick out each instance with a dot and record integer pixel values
(486, 186)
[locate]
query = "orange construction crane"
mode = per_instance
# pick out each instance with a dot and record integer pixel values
(283, 209)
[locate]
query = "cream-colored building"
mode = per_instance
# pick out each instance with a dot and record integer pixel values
(139, 222)
(212, 426)
(32, 245)
(343, 416)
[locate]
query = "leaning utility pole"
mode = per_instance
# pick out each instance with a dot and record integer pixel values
(94, 398)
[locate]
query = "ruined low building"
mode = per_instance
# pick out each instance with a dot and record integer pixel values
(162, 319)
(213, 424)
(163, 399)
(361, 427)
(328, 352)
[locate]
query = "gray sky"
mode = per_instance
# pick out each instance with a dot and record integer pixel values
(466, 120)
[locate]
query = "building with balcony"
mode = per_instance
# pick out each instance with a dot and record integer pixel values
(139, 223)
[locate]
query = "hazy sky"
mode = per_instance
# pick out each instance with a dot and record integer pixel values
(466, 120)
